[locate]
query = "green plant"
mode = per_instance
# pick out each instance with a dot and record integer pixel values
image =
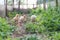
(55, 36)
(36, 11)
(41, 29)
(5, 28)
(31, 27)
(35, 27)
(47, 20)
(30, 37)
(12, 14)
(50, 19)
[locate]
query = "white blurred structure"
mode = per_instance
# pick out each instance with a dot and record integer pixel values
(33, 18)
(2, 11)
(26, 4)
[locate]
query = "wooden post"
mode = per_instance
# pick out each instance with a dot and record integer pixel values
(33, 5)
(27, 4)
(44, 4)
(5, 1)
(13, 5)
(19, 5)
(56, 3)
